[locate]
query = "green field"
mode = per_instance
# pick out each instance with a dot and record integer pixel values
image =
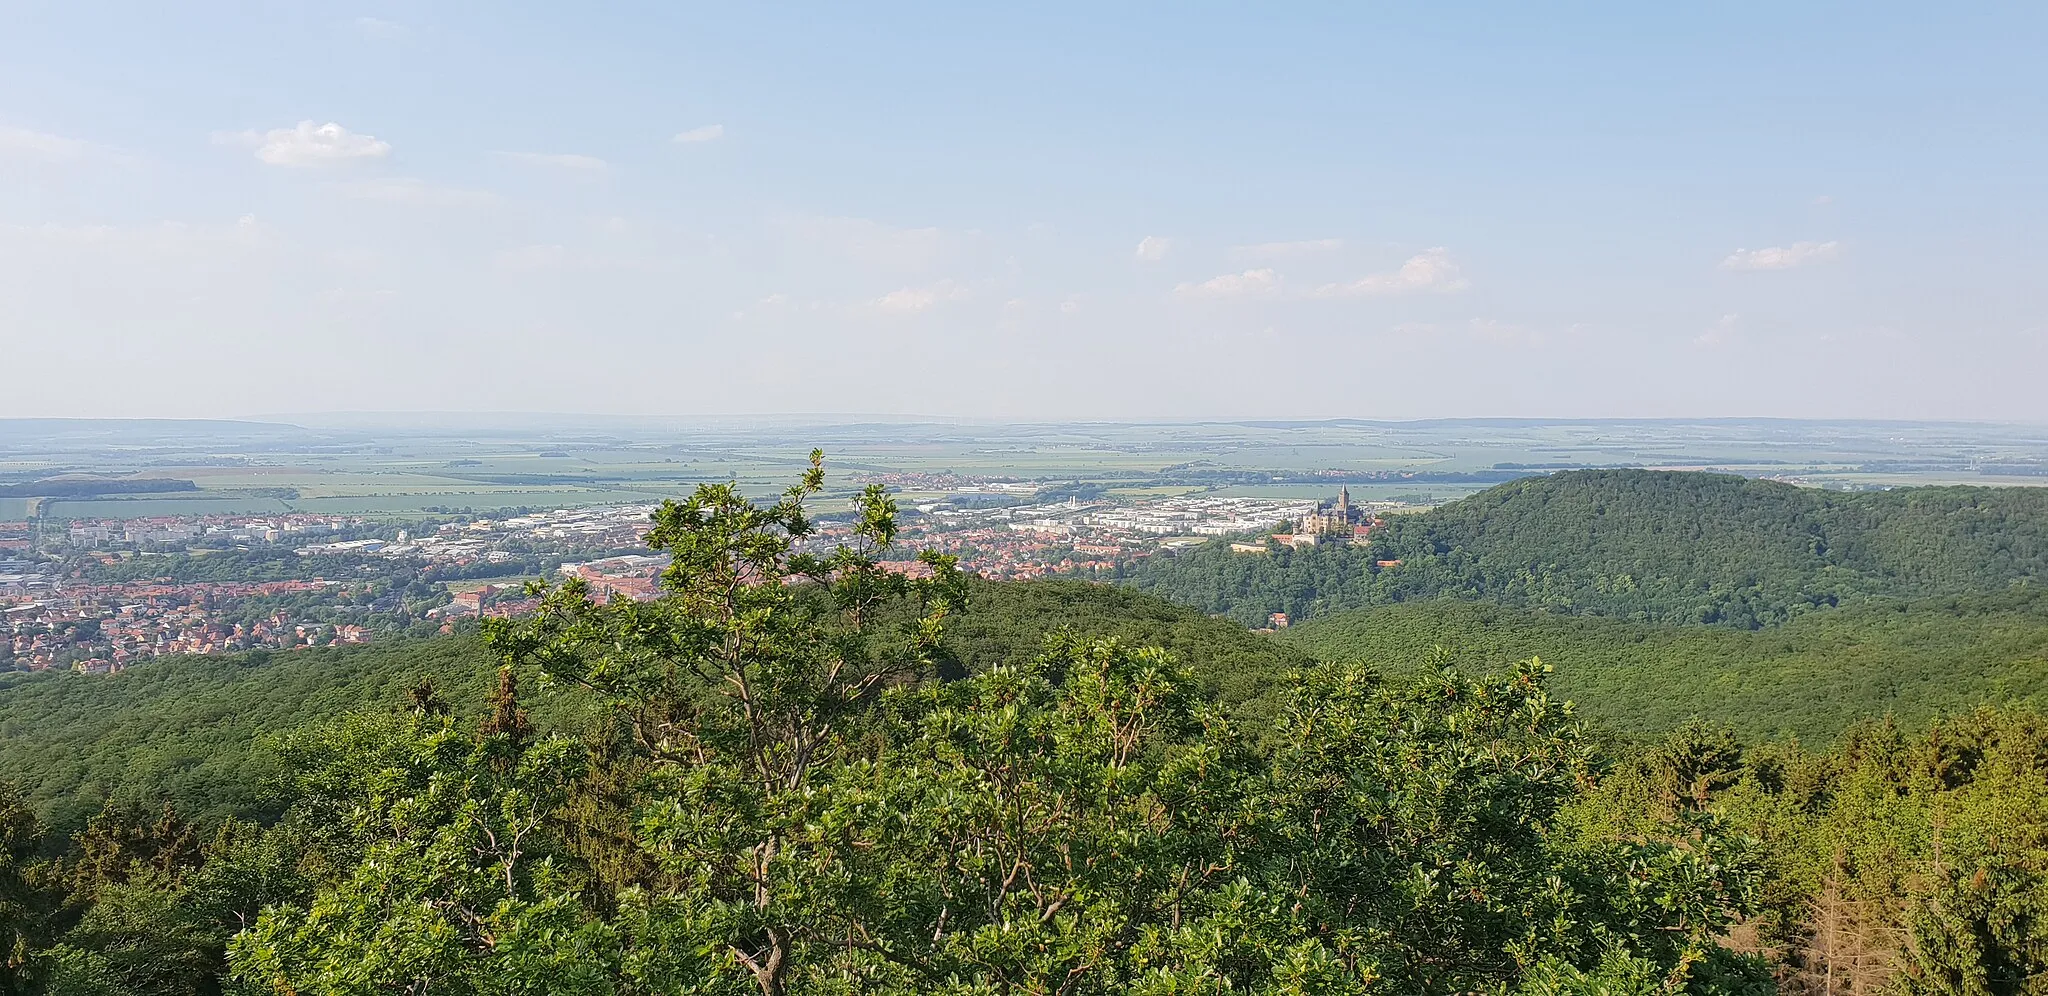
(365, 465)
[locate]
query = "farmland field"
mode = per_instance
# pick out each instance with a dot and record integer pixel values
(391, 465)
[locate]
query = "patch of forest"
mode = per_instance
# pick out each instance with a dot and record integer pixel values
(191, 731)
(93, 487)
(1643, 546)
(1812, 677)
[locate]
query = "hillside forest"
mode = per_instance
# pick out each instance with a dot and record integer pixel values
(1596, 733)
(1641, 546)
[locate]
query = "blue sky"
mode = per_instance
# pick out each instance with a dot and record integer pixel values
(1043, 211)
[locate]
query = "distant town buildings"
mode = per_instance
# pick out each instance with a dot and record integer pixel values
(635, 577)
(54, 614)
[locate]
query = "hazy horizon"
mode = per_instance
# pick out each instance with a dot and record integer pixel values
(396, 418)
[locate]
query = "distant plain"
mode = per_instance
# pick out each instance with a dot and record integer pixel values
(361, 465)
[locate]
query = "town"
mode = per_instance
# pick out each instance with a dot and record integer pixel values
(98, 595)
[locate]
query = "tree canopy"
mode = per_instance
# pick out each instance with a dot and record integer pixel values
(1813, 677)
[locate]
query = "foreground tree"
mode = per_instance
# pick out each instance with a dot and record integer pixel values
(445, 882)
(757, 670)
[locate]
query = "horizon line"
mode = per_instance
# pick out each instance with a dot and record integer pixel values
(292, 418)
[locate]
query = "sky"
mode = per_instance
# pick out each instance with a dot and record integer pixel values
(1032, 211)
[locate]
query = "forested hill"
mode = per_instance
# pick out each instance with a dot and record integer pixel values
(1651, 546)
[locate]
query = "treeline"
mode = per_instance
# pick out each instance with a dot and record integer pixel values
(1812, 677)
(85, 487)
(1648, 546)
(278, 563)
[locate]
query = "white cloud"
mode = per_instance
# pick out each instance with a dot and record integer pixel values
(412, 190)
(1429, 270)
(380, 29)
(308, 144)
(911, 300)
(1721, 332)
(907, 300)
(25, 144)
(1250, 283)
(1282, 250)
(557, 160)
(1781, 257)
(707, 133)
(1153, 248)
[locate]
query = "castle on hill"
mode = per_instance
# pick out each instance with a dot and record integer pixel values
(1333, 521)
